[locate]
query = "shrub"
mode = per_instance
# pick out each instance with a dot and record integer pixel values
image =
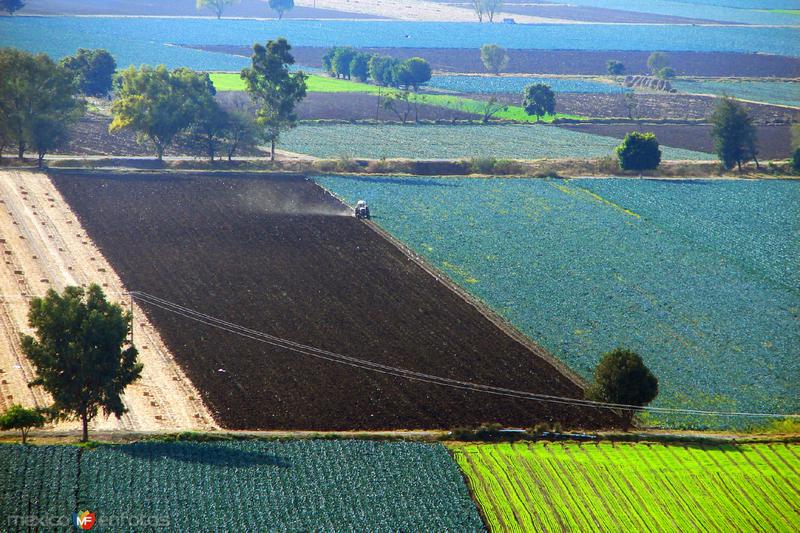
(639, 151)
(796, 160)
(482, 165)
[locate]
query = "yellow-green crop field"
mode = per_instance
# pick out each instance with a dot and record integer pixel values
(634, 487)
(228, 81)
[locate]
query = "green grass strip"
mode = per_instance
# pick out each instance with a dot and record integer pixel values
(231, 81)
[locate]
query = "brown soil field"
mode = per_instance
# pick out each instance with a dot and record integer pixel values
(44, 246)
(709, 64)
(281, 255)
(774, 142)
(652, 106)
(348, 106)
(177, 8)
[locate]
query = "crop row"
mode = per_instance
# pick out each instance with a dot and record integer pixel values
(633, 487)
(517, 84)
(243, 486)
(452, 142)
(694, 275)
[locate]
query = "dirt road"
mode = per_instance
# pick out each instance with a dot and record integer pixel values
(43, 246)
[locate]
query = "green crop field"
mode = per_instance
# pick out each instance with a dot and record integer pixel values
(227, 81)
(634, 487)
(509, 141)
(299, 485)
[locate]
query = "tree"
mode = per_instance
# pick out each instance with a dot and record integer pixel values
(11, 6)
(359, 66)
(81, 353)
(639, 151)
(281, 6)
(494, 58)
(400, 104)
(631, 104)
(415, 72)
(93, 71)
(796, 160)
(539, 100)
(46, 133)
(340, 62)
(666, 73)
(33, 87)
(733, 132)
(382, 69)
(477, 7)
(615, 68)
(210, 125)
(491, 8)
(657, 61)
(621, 377)
(275, 91)
(217, 6)
(491, 108)
(158, 104)
(241, 133)
(18, 417)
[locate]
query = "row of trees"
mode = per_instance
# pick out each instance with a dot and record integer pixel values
(348, 63)
(218, 6)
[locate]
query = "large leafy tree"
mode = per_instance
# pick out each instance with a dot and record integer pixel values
(34, 91)
(159, 104)
(416, 71)
(494, 58)
(621, 377)
(639, 151)
(11, 6)
(734, 134)
(539, 100)
(81, 353)
(216, 6)
(93, 70)
(274, 89)
(281, 6)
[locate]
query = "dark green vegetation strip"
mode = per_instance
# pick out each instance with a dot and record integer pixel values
(241, 486)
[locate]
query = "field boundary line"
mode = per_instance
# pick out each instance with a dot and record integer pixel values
(488, 313)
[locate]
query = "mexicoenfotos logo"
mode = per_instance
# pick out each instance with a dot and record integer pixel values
(84, 520)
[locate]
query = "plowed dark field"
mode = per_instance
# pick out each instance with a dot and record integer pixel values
(280, 255)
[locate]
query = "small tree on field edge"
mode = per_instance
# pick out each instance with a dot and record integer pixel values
(281, 6)
(639, 151)
(11, 6)
(621, 377)
(81, 353)
(735, 137)
(657, 61)
(22, 419)
(494, 58)
(615, 68)
(539, 100)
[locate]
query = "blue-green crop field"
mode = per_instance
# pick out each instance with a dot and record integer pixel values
(517, 84)
(771, 92)
(698, 276)
(301, 485)
(439, 141)
(154, 40)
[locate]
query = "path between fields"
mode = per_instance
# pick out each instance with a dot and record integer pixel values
(44, 246)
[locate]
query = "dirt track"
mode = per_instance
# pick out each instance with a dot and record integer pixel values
(280, 255)
(44, 246)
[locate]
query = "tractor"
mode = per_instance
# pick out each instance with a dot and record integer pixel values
(362, 210)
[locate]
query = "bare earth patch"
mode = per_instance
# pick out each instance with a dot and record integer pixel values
(44, 246)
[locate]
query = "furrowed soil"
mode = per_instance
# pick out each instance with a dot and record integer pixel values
(282, 256)
(44, 246)
(707, 64)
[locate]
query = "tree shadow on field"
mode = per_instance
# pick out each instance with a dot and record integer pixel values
(216, 454)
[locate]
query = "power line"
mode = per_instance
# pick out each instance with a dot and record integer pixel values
(413, 375)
